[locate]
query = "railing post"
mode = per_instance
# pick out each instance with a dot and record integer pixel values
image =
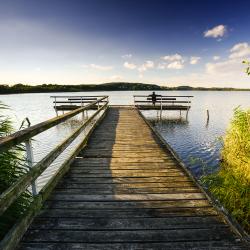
(82, 102)
(161, 109)
(30, 160)
(83, 110)
(55, 107)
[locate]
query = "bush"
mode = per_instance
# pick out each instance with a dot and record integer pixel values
(12, 166)
(231, 184)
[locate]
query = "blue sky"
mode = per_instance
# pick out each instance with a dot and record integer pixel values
(197, 43)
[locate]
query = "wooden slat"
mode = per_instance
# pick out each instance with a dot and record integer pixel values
(190, 234)
(66, 204)
(201, 245)
(127, 223)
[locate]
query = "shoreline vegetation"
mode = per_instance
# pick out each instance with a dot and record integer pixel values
(231, 183)
(12, 166)
(112, 86)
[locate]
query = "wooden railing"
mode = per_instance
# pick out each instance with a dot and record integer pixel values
(20, 186)
(163, 102)
(161, 99)
(65, 103)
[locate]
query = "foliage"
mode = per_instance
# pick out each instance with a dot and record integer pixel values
(113, 86)
(248, 66)
(231, 184)
(118, 86)
(12, 166)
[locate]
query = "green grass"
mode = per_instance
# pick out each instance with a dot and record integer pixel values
(231, 184)
(12, 166)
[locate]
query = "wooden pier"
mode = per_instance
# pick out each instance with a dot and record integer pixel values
(124, 189)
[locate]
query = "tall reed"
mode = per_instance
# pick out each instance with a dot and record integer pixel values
(231, 184)
(12, 166)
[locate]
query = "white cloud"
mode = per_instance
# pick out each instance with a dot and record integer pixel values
(216, 58)
(145, 66)
(217, 31)
(228, 67)
(127, 56)
(176, 61)
(194, 59)
(142, 68)
(175, 57)
(175, 65)
(240, 50)
(116, 77)
(149, 64)
(161, 66)
(129, 65)
(98, 67)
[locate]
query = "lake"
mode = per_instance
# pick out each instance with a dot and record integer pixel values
(195, 140)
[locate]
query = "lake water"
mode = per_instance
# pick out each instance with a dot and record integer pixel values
(195, 140)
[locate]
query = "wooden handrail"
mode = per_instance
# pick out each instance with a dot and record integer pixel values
(16, 189)
(165, 95)
(159, 101)
(163, 98)
(75, 96)
(25, 134)
(82, 98)
(76, 101)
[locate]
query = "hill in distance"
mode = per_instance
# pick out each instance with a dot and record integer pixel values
(112, 86)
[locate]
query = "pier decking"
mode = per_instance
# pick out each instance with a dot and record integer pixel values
(125, 190)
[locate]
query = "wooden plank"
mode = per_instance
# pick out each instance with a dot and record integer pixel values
(127, 197)
(128, 213)
(125, 159)
(66, 204)
(126, 224)
(125, 171)
(94, 180)
(79, 162)
(128, 236)
(126, 174)
(201, 245)
(116, 191)
(70, 185)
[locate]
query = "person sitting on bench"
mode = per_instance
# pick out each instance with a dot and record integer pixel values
(154, 97)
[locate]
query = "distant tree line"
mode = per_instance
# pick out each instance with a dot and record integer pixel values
(117, 86)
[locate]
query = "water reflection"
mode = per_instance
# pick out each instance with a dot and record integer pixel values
(172, 124)
(195, 141)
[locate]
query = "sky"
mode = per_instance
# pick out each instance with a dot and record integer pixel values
(166, 42)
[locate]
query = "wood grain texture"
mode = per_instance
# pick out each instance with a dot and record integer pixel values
(124, 191)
